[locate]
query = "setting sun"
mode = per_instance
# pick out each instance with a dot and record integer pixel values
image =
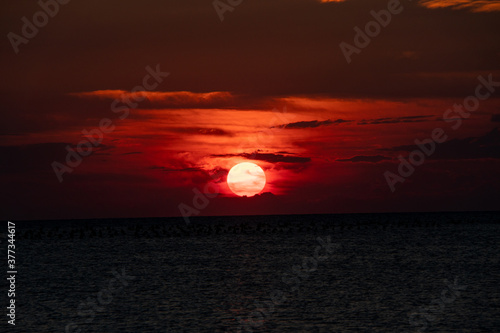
(246, 179)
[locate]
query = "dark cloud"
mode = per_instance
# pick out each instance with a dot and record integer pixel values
(370, 159)
(268, 157)
(487, 146)
(312, 124)
(166, 169)
(200, 131)
(132, 153)
(395, 120)
(199, 175)
(259, 197)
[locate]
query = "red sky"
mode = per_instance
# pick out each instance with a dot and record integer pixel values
(270, 85)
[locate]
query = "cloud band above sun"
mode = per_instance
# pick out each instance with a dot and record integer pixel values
(472, 5)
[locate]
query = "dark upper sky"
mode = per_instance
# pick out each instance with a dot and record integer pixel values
(336, 128)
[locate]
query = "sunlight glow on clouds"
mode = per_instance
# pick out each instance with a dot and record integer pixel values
(473, 5)
(177, 98)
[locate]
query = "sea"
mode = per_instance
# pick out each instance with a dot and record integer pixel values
(400, 272)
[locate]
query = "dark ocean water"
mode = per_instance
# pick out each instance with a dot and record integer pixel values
(336, 273)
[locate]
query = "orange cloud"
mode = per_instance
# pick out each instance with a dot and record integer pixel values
(178, 99)
(472, 5)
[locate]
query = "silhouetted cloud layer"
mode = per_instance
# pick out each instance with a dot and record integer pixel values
(370, 159)
(486, 146)
(395, 120)
(313, 124)
(269, 157)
